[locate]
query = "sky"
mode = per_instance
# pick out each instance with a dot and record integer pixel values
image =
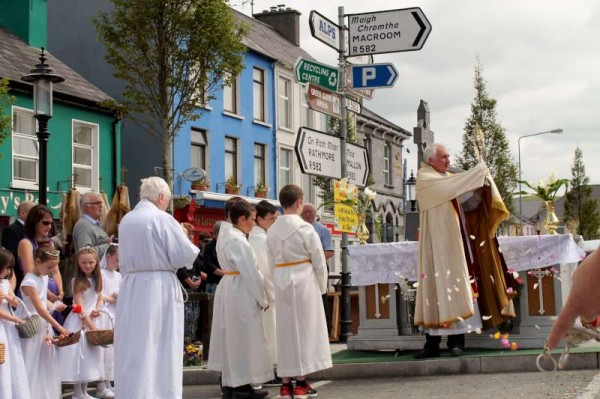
(541, 61)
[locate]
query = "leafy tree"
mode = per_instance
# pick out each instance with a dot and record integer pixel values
(6, 101)
(172, 56)
(581, 210)
(497, 154)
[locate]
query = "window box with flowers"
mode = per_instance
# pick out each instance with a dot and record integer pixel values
(231, 187)
(261, 191)
(201, 184)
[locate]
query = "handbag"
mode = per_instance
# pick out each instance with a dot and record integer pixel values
(31, 323)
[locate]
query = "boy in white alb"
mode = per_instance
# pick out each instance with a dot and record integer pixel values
(300, 278)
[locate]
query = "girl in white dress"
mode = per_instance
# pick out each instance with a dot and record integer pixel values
(12, 372)
(80, 363)
(111, 280)
(41, 361)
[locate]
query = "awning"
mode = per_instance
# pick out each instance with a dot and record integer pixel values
(217, 200)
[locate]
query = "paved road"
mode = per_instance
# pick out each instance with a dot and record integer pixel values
(584, 384)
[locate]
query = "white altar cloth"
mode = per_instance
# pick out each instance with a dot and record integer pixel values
(387, 262)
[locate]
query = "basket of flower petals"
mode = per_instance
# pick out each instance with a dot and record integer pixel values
(67, 340)
(101, 337)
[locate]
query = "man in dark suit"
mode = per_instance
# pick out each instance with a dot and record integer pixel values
(14, 233)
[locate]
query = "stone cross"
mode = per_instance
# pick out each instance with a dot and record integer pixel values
(422, 135)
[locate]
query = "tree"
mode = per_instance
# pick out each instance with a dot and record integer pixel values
(6, 101)
(581, 210)
(497, 154)
(172, 56)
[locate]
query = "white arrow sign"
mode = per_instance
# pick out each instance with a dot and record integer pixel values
(358, 164)
(319, 153)
(324, 30)
(387, 31)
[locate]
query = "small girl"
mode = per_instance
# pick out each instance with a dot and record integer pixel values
(80, 363)
(41, 360)
(12, 372)
(111, 280)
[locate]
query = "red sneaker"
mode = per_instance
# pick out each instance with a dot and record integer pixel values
(285, 392)
(304, 392)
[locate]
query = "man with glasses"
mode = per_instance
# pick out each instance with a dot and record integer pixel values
(87, 231)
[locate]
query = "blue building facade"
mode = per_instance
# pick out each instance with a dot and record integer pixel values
(234, 138)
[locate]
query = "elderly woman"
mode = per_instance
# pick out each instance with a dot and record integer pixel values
(149, 319)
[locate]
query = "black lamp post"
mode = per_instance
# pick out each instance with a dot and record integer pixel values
(410, 185)
(42, 78)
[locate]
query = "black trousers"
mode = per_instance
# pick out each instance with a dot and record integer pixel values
(432, 342)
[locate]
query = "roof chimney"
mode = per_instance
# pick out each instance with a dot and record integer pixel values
(284, 20)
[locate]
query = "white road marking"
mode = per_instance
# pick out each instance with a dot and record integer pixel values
(592, 390)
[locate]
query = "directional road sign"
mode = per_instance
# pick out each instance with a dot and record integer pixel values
(358, 164)
(319, 153)
(387, 31)
(317, 73)
(324, 101)
(373, 76)
(353, 106)
(324, 30)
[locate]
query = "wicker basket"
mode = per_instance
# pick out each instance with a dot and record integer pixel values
(2, 353)
(70, 339)
(101, 337)
(31, 323)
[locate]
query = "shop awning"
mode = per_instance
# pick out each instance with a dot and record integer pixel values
(217, 200)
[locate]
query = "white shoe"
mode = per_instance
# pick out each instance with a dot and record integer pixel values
(107, 393)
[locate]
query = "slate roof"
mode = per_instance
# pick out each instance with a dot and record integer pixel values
(17, 59)
(263, 39)
(367, 113)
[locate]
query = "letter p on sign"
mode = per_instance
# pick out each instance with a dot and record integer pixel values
(368, 74)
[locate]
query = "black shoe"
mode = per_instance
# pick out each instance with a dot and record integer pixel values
(427, 353)
(457, 351)
(226, 392)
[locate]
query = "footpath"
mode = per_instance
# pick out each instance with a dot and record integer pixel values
(370, 364)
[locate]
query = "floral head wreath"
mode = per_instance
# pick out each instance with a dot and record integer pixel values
(87, 249)
(54, 253)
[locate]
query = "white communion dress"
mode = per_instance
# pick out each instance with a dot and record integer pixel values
(111, 280)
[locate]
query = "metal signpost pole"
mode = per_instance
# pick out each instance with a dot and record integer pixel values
(346, 317)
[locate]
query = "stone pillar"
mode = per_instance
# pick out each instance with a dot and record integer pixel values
(422, 135)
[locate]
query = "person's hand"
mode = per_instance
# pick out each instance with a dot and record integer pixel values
(52, 297)
(3, 295)
(203, 276)
(18, 321)
(61, 295)
(110, 239)
(61, 306)
(583, 300)
(115, 295)
(94, 313)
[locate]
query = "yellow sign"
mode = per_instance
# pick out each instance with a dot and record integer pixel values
(340, 191)
(346, 220)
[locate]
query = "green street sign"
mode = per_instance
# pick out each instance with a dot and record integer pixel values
(316, 73)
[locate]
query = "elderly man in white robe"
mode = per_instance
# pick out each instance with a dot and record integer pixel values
(149, 315)
(300, 278)
(266, 215)
(444, 304)
(238, 341)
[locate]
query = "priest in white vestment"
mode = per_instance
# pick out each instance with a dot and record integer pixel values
(149, 315)
(300, 278)
(266, 214)
(444, 304)
(238, 341)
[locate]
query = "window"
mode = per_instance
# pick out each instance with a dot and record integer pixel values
(308, 115)
(259, 164)
(199, 144)
(285, 167)
(85, 158)
(387, 159)
(24, 147)
(258, 78)
(231, 168)
(284, 104)
(230, 96)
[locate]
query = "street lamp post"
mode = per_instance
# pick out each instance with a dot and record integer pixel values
(42, 78)
(553, 131)
(410, 185)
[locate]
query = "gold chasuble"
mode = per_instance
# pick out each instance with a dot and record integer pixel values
(451, 265)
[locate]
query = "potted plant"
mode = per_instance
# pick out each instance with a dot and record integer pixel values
(231, 187)
(181, 201)
(201, 184)
(260, 191)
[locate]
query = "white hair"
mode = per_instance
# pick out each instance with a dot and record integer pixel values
(86, 197)
(152, 187)
(431, 150)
